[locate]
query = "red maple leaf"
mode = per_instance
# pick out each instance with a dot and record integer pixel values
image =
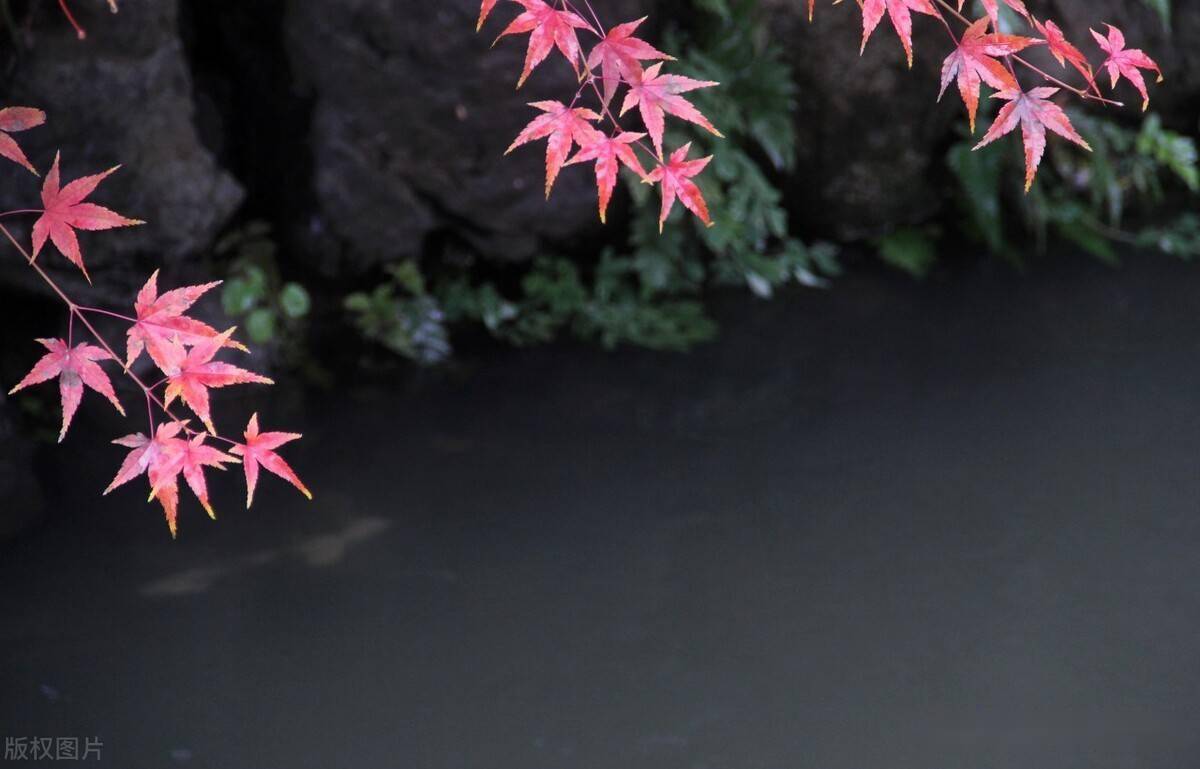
(1126, 61)
(1035, 114)
(259, 449)
(1062, 49)
(142, 453)
(608, 152)
(484, 9)
(900, 12)
(64, 212)
(190, 374)
(161, 322)
(163, 459)
(548, 28)
(196, 457)
(619, 56)
(675, 178)
(973, 63)
(562, 126)
(12, 120)
(654, 94)
(160, 457)
(74, 367)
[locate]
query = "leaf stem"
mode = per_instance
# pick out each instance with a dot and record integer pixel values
(98, 311)
(79, 31)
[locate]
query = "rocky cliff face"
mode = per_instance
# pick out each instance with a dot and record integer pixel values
(122, 96)
(412, 114)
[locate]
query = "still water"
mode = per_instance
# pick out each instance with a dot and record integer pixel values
(892, 526)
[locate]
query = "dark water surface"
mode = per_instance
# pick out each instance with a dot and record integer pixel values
(893, 526)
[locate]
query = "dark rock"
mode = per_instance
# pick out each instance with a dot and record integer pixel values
(413, 113)
(122, 96)
(870, 134)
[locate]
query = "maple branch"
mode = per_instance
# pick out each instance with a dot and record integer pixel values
(945, 24)
(1082, 93)
(589, 78)
(149, 413)
(77, 311)
(177, 448)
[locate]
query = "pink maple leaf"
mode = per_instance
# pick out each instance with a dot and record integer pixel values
(1034, 113)
(900, 12)
(75, 367)
(485, 9)
(656, 95)
(64, 212)
(161, 322)
(619, 56)
(191, 373)
(675, 178)
(1126, 62)
(547, 28)
(974, 62)
(562, 126)
(12, 120)
(607, 152)
(259, 449)
(1063, 50)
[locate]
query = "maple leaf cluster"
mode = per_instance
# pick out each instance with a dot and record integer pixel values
(983, 55)
(183, 349)
(614, 61)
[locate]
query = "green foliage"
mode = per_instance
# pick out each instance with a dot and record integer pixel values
(980, 175)
(649, 292)
(613, 308)
(400, 315)
(1114, 194)
(910, 249)
(1181, 238)
(751, 244)
(269, 308)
